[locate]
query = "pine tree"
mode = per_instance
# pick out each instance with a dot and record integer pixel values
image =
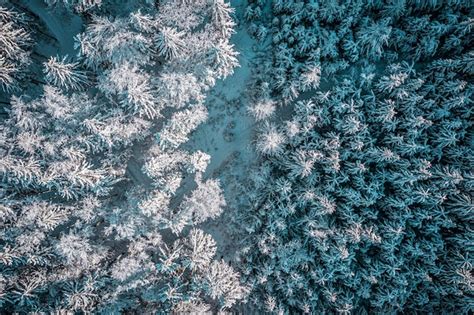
(63, 74)
(270, 141)
(222, 282)
(221, 17)
(176, 131)
(78, 5)
(15, 42)
(262, 110)
(200, 248)
(223, 59)
(169, 43)
(205, 202)
(82, 225)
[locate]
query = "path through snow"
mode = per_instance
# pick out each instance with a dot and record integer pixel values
(227, 137)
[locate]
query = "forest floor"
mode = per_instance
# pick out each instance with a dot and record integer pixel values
(227, 137)
(61, 27)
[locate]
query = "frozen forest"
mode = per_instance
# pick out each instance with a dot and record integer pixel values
(236, 157)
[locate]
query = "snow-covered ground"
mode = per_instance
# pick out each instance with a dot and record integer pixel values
(227, 138)
(62, 27)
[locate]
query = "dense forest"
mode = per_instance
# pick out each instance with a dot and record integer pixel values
(250, 157)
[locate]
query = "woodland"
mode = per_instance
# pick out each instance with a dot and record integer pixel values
(236, 157)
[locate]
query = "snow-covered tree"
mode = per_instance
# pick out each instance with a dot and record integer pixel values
(169, 43)
(177, 129)
(221, 17)
(200, 248)
(115, 41)
(205, 202)
(262, 110)
(15, 41)
(311, 78)
(7, 72)
(223, 59)
(134, 89)
(78, 5)
(329, 189)
(81, 219)
(353, 212)
(64, 74)
(270, 140)
(373, 37)
(223, 283)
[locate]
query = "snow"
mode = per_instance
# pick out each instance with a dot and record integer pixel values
(62, 26)
(227, 137)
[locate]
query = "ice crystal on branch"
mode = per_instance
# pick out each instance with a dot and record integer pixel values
(169, 43)
(63, 74)
(206, 201)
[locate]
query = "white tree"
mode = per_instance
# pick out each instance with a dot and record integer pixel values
(206, 201)
(106, 42)
(78, 5)
(221, 16)
(14, 41)
(270, 140)
(262, 109)
(144, 22)
(134, 88)
(177, 89)
(170, 43)
(71, 147)
(64, 74)
(77, 252)
(177, 129)
(12, 36)
(223, 58)
(311, 78)
(156, 205)
(198, 162)
(222, 282)
(192, 307)
(7, 74)
(160, 162)
(199, 248)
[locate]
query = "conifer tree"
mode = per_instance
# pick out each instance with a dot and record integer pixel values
(63, 74)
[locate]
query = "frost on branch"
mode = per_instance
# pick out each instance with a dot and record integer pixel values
(182, 88)
(78, 5)
(270, 140)
(63, 74)
(206, 201)
(78, 252)
(223, 59)
(360, 202)
(113, 41)
(37, 158)
(15, 41)
(221, 17)
(169, 43)
(262, 109)
(177, 129)
(134, 89)
(200, 249)
(328, 189)
(221, 282)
